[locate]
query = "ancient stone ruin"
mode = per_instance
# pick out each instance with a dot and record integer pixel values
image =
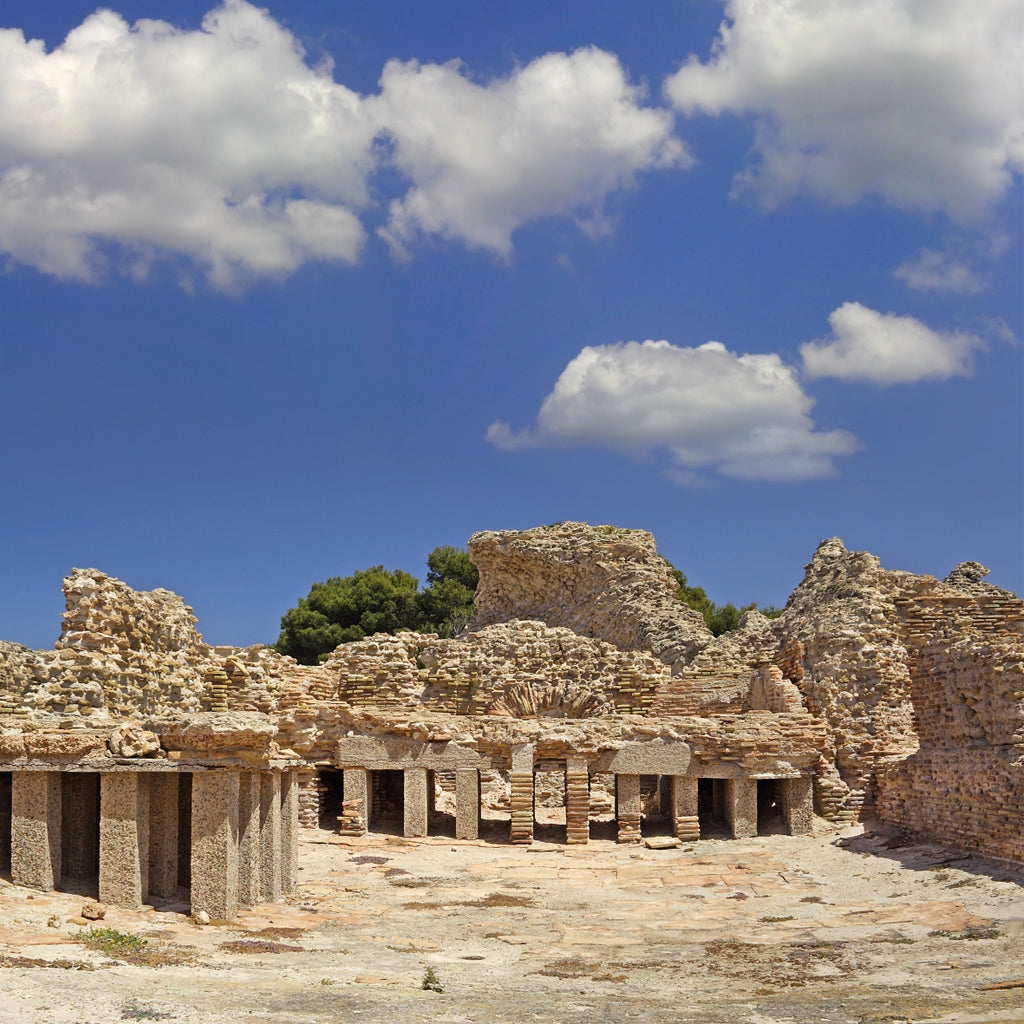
(584, 700)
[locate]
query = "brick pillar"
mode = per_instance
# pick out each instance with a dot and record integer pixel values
(124, 839)
(741, 807)
(414, 802)
(249, 833)
(798, 805)
(163, 835)
(355, 804)
(521, 780)
(627, 807)
(289, 831)
(270, 837)
(35, 829)
(215, 844)
(467, 803)
(684, 808)
(577, 801)
(309, 799)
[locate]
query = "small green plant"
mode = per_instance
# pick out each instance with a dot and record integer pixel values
(135, 1012)
(970, 934)
(113, 943)
(326, 981)
(431, 982)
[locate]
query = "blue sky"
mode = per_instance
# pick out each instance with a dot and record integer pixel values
(294, 291)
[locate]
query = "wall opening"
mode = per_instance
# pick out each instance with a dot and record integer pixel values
(549, 801)
(441, 803)
(6, 810)
(655, 805)
(80, 832)
(332, 792)
(769, 808)
(185, 829)
(387, 801)
(711, 815)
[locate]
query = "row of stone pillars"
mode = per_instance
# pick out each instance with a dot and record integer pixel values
(737, 799)
(242, 838)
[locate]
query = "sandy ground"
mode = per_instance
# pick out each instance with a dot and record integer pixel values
(856, 927)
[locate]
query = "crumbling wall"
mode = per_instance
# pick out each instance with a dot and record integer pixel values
(598, 581)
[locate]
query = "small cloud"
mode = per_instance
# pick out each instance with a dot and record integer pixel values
(934, 270)
(743, 416)
(887, 349)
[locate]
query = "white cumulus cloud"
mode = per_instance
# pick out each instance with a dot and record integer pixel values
(932, 270)
(887, 349)
(920, 102)
(556, 136)
(742, 415)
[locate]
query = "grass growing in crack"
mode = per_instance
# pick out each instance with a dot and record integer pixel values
(113, 943)
(967, 933)
(135, 1012)
(431, 982)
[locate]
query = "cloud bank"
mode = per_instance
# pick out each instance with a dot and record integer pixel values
(887, 349)
(919, 102)
(224, 146)
(742, 416)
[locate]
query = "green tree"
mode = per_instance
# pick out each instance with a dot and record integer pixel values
(718, 618)
(446, 606)
(345, 608)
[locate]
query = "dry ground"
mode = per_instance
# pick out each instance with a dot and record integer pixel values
(858, 927)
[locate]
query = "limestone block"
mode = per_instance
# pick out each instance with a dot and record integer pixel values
(124, 839)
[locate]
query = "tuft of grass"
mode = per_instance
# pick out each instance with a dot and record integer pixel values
(968, 933)
(132, 1011)
(431, 982)
(113, 943)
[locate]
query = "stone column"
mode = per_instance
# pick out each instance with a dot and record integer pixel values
(80, 824)
(521, 780)
(249, 833)
(798, 805)
(577, 801)
(741, 807)
(124, 839)
(355, 804)
(414, 802)
(270, 837)
(35, 829)
(215, 844)
(289, 831)
(627, 807)
(685, 824)
(163, 835)
(467, 803)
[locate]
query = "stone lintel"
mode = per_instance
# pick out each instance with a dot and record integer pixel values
(653, 757)
(381, 753)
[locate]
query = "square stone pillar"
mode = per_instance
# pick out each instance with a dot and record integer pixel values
(467, 803)
(414, 802)
(289, 831)
(270, 837)
(577, 801)
(685, 823)
(163, 835)
(521, 784)
(124, 839)
(741, 807)
(798, 805)
(355, 804)
(249, 887)
(35, 829)
(80, 825)
(215, 844)
(627, 808)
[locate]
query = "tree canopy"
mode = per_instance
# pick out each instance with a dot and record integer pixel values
(719, 618)
(376, 600)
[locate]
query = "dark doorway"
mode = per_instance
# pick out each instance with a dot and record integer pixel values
(769, 808)
(655, 805)
(80, 832)
(6, 810)
(387, 802)
(711, 814)
(185, 829)
(332, 793)
(441, 804)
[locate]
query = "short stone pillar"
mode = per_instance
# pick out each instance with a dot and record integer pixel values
(289, 831)
(414, 803)
(249, 835)
(215, 844)
(685, 823)
(163, 835)
(270, 836)
(80, 824)
(577, 801)
(467, 803)
(124, 839)
(741, 807)
(627, 808)
(798, 805)
(35, 829)
(355, 805)
(521, 784)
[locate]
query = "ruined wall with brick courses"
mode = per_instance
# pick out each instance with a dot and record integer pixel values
(965, 786)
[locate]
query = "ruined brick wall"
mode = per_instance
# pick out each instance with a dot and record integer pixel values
(965, 786)
(598, 581)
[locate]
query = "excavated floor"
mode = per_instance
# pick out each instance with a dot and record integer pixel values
(863, 928)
